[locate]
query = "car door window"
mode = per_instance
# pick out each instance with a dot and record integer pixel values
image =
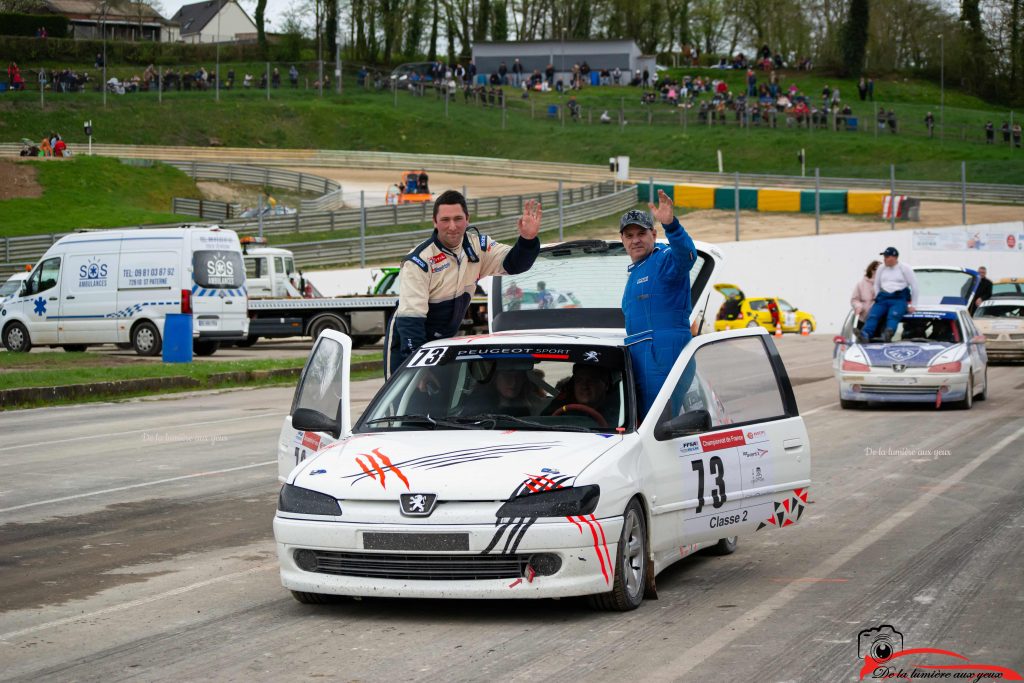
(757, 304)
(255, 267)
(785, 306)
(734, 380)
(45, 276)
(321, 387)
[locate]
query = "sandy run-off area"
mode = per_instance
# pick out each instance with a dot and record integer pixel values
(18, 181)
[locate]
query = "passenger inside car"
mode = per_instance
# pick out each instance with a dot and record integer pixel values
(509, 389)
(591, 390)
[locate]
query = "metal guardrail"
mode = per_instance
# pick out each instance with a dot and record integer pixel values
(204, 208)
(361, 250)
(16, 252)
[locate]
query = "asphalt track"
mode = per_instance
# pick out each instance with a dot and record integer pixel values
(136, 545)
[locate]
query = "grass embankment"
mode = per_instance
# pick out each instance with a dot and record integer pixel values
(95, 192)
(367, 120)
(57, 369)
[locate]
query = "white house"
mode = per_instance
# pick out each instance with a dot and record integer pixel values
(215, 21)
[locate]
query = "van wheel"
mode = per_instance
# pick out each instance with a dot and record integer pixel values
(205, 348)
(16, 338)
(74, 348)
(630, 564)
(146, 339)
(327, 322)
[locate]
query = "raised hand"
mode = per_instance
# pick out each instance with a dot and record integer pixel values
(664, 212)
(529, 222)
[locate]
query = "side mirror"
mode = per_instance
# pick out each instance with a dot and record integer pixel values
(308, 420)
(687, 424)
(839, 339)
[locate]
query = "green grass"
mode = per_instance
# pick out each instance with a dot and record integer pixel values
(94, 192)
(367, 120)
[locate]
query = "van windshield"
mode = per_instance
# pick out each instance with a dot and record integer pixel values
(217, 269)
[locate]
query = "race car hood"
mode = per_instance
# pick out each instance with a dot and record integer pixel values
(456, 465)
(912, 355)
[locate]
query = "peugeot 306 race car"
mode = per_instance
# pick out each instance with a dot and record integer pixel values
(1002, 322)
(515, 465)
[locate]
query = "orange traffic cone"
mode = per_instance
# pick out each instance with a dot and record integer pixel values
(805, 330)
(778, 330)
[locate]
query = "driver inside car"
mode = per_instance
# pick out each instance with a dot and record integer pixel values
(588, 392)
(510, 389)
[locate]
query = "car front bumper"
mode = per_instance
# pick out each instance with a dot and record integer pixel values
(910, 388)
(585, 551)
(1005, 350)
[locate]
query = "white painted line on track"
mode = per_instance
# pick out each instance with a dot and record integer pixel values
(819, 408)
(139, 431)
(138, 486)
(696, 655)
(136, 603)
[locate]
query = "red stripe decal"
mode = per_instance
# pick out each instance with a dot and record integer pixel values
(376, 467)
(551, 356)
(603, 541)
(597, 548)
(387, 462)
(367, 471)
(576, 523)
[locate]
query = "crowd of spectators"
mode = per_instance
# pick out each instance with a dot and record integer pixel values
(51, 146)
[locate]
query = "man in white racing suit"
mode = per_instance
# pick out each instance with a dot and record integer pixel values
(438, 277)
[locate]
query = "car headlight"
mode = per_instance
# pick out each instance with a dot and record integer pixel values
(567, 502)
(306, 502)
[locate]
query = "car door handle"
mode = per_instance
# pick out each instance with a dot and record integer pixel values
(70, 296)
(792, 444)
(53, 298)
(229, 302)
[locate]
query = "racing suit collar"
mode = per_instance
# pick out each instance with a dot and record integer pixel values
(631, 266)
(466, 247)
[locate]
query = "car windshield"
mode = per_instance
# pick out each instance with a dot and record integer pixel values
(531, 387)
(1000, 311)
(1004, 288)
(10, 288)
(929, 326)
(939, 284)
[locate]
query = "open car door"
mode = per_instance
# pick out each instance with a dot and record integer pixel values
(595, 273)
(946, 285)
(728, 452)
(323, 397)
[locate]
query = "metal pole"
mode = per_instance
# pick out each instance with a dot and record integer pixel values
(503, 111)
(320, 67)
(817, 202)
(160, 85)
(892, 195)
(42, 89)
(217, 70)
(268, 81)
(362, 228)
(104, 84)
(650, 189)
(942, 85)
(561, 216)
(337, 67)
(464, 195)
(736, 198)
(394, 89)
(963, 193)
(445, 90)
(260, 210)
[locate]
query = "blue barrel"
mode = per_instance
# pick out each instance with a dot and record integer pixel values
(178, 338)
(595, 78)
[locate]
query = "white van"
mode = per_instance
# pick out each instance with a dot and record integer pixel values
(116, 286)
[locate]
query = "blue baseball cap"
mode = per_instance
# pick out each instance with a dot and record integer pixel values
(636, 217)
(890, 251)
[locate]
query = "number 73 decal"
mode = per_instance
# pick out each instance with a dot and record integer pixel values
(716, 469)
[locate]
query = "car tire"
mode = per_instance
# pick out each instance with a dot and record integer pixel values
(315, 598)
(16, 338)
(327, 322)
(74, 348)
(630, 568)
(753, 323)
(725, 546)
(205, 347)
(808, 324)
(146, 339)
(984, 392)
(968, 397)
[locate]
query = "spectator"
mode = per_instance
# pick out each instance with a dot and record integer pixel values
(503, 74)
(891, 116)
(990, 133)
(98, 63)
(862, 89)
(871, 89)
(1016, 135)
(1005, 129)
(605, 118)
(617, 76)
(247, 81)
(517, 72)
(549, 75)
(864, 294)
(293, 76)
(275, 78)
(984, 292)
(646, 77)
(929, 123)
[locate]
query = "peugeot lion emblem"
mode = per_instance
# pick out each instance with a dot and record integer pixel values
(898, 367)
(418, 504)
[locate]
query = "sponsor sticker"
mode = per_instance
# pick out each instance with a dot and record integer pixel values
(437, 258)
(311, 440)
(756, 435)
(689, 446)
(717, 442)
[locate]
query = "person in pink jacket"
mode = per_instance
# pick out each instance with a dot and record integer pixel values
(864, 294)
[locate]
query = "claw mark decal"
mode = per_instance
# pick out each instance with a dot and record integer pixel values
(375, 470)
(591, 523)
(370, 468)
(788, 511)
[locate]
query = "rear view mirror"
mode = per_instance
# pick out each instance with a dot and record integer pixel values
(307, 420)
(687, 424)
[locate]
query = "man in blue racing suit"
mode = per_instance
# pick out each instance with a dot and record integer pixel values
(656, 302)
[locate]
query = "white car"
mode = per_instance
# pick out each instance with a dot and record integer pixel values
(12, 287)
(480, 470)
(1002, 322)
(937, 356)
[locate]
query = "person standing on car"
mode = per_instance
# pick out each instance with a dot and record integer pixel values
(984, 289)
(895, 290)
(656, 302)
(864, 294)
(437, 278)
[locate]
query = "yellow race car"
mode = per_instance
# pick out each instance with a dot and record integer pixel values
(738, 311)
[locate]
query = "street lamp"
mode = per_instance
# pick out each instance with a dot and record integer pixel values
(104, 8)
(942, 86)
(217, 38)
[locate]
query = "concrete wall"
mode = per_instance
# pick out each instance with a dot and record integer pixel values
(817, 273)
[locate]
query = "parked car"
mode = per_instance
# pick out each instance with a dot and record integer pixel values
(738, 312)
(1002, 322)
(1008, 286)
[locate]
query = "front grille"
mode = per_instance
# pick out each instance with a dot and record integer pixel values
(1016, 337)
(895, 389)
(421, 567)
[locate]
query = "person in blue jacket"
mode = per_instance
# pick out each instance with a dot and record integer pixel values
(656, 302)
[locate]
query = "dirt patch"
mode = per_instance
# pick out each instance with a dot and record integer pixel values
(18, 180)
(720, 226)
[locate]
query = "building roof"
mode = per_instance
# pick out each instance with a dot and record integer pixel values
(91, 9)
(194, 18)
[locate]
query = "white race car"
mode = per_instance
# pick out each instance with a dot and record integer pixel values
(1002, 322)
(937, 355)
(514, 465)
